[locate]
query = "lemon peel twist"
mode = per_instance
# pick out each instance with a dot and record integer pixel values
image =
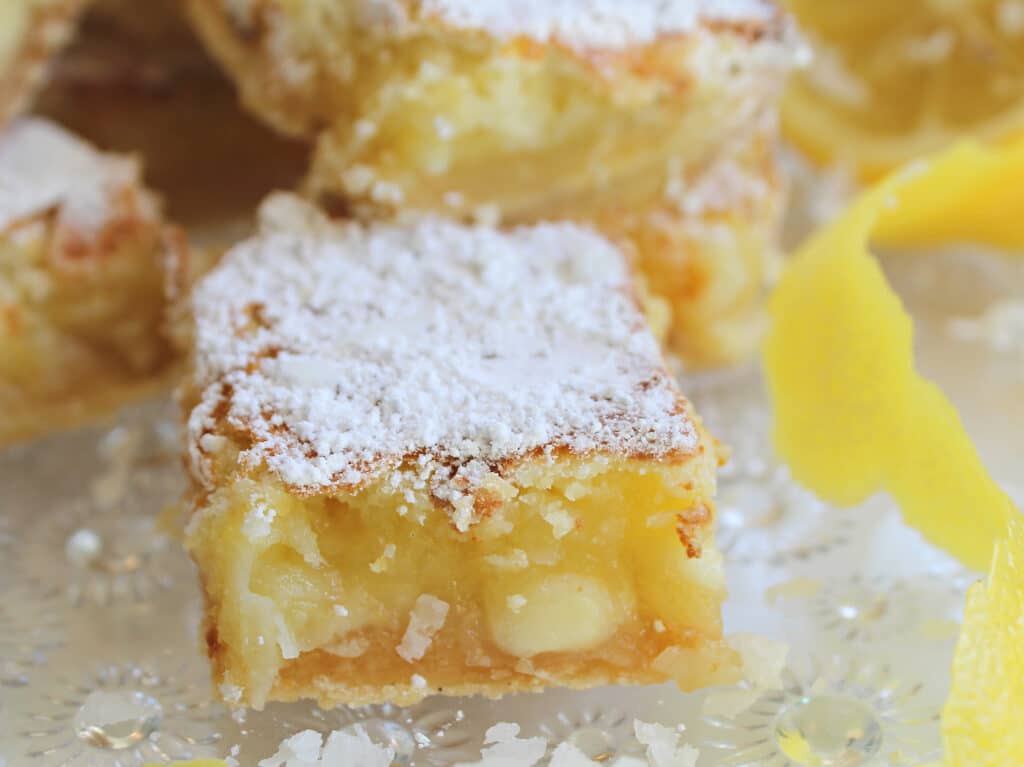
(852, 415)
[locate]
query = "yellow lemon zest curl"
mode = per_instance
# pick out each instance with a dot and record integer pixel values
(853, 416)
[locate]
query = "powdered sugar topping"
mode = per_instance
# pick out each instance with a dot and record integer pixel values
(580, 24)
(43, 167)
(344, 351)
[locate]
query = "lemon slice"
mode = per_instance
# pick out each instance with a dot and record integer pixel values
(852, 415)
(896, 80)
(981, 722)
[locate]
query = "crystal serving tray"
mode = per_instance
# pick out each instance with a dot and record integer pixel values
(100, 662)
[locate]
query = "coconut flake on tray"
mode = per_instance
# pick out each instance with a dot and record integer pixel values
(502, 748)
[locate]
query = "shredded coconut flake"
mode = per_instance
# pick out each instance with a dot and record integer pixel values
(514, 560)
(731, 702)
(426, 619)
(349, 648)
(355, 749)
(381, 563)
(568, 755)
(561, 521)
(300, 750)
(258, 521)
(662, 745)
(763, 659)
(232, 693)
(506, 749)
(346, 351)
(583, 24)
(342, 749)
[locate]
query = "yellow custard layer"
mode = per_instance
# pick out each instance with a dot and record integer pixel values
(76, 334)
(583, 571)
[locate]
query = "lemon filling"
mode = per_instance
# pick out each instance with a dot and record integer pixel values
(567, 564)
(437, 124)
(430, 456)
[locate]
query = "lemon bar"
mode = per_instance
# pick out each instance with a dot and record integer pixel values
(81, 279)
(31, 31)
(582, 110)
(707, 249)
(433, 457)
(518, 106)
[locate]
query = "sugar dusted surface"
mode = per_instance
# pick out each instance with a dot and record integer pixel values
(343, 352)
(43, 167)
(594, 23)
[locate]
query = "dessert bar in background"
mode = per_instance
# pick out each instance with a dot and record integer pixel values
(431, 457)
(81, 280)
(135, 79)
(655, 122)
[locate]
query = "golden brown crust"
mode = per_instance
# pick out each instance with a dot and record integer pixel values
(697, 661)
(315, 677)
(692, 526)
